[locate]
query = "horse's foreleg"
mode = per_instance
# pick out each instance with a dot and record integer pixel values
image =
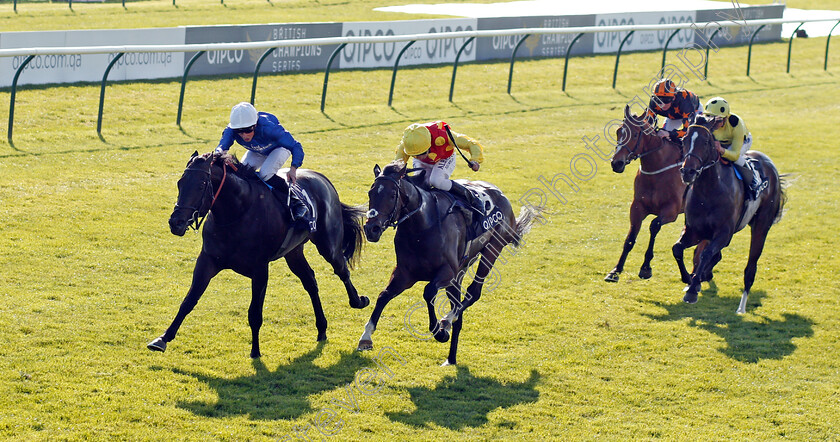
(259, 281)
(687, 239)
(636, 218)
(666, 216)
(203, 272)
(399, 283)
(297, 263)
(705, 263)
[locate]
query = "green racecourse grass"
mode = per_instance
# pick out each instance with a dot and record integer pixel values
(90, 272)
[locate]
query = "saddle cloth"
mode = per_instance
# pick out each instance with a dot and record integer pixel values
(481, 223)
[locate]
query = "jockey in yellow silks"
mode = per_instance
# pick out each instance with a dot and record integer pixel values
(732, 141)
(432, 149)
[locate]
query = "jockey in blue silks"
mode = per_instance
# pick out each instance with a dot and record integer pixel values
(269, 145)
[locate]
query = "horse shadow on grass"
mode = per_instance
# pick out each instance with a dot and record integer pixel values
(273, 395)
(464, 400)
(746, 341)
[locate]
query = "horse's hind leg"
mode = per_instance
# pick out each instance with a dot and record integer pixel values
(339, 265)
(453, 344)
(758, 235)
(203, 272)
(300, 267)
(636, 218)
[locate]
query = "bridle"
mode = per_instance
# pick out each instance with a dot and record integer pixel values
(690, 153)
(197, 218)
(632, 155)
(392, 220)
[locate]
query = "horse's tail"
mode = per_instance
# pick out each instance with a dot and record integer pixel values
(524, 222)
(785, 180)
(351, 244)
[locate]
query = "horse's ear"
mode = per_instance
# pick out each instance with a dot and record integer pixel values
(627, 114)
(195, 154)
(376, 170)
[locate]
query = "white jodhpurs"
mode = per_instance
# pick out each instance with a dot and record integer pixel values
(437, 175)
(747, 144)
(267, 165)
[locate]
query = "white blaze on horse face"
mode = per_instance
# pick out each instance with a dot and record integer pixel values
(693, 140)
(372, 213)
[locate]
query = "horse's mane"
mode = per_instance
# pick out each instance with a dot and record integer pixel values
(393, 167)
(244, 171)
(396, 167)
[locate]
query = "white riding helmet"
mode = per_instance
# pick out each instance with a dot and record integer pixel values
(243, 115)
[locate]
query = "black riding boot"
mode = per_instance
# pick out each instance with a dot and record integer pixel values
(752, 181)
(472, 200)
(301, 218)
(278, 184)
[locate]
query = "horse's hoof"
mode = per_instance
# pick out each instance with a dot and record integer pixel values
(690, 297)
(365, 345)
(364, 301)
(446, 363)
(612, 276)
(157, 345)
(442, 335)
(256, 355)
(645, 273)
(321, 337)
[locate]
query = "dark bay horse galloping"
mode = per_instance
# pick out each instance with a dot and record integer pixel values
(432, 244)
(247, 227)
(657, 189)
(715, 207)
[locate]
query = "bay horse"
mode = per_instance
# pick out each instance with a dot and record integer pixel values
(657, 188)
(715, 207)
(248, 227)
(432, 244)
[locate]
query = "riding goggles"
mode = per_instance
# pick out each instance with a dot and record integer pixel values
(245, 130)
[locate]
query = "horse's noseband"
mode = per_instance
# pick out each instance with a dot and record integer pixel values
(395, 212)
